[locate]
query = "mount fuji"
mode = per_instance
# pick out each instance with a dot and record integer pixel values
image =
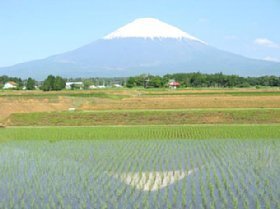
(145, 45)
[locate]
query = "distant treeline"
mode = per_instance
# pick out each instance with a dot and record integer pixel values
(56, 83)
(201, 80)
(51, 83)
(149, 81)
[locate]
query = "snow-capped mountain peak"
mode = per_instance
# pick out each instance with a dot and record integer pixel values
(145, 46)
(150, 28)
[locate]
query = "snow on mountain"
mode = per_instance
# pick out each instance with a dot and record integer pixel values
(145, 45)
(150, 28)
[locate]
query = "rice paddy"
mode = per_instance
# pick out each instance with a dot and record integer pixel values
(140, 149)
(230, 173)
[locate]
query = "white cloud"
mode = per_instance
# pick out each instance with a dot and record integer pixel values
(266, 42)
(271, 59)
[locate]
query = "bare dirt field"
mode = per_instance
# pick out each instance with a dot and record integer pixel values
(182, 102)
(9, 106)
(128, 99)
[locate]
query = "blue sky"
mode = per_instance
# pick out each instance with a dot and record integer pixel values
(32, 29)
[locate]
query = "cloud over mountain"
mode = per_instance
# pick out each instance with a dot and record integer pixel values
(266, 42)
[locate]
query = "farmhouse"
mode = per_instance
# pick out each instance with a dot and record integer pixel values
(10, 85)
(173, 84)
(74, 85)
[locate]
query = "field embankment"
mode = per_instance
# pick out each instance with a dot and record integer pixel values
(136, 99)
(146, 117)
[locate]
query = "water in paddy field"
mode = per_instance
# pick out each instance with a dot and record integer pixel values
(140, 174)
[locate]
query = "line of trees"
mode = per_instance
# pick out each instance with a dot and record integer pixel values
(56, 83)
(51, 83)
(201, 80)
(29, 83)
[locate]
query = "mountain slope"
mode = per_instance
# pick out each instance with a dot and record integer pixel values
(143, 46)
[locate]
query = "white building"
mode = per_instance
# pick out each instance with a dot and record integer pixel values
(92, 87)
(69, 85)
(117, 86)
(10, 85)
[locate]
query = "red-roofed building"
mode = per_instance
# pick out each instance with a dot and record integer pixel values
(174, 84)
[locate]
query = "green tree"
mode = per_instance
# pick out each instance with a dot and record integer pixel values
(59, 83)
(130, 82)
(48, 84)
(53, 83)
(87, 83)
(30, 85)
(155, 82)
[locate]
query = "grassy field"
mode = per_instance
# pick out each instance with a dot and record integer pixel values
(147, 117)
(142, 132)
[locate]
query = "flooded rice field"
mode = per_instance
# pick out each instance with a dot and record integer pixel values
(140, 174)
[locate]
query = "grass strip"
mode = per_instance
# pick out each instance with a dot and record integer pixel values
(142, 132)
(151, 117)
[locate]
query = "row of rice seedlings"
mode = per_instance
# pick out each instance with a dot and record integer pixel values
(144, 132)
